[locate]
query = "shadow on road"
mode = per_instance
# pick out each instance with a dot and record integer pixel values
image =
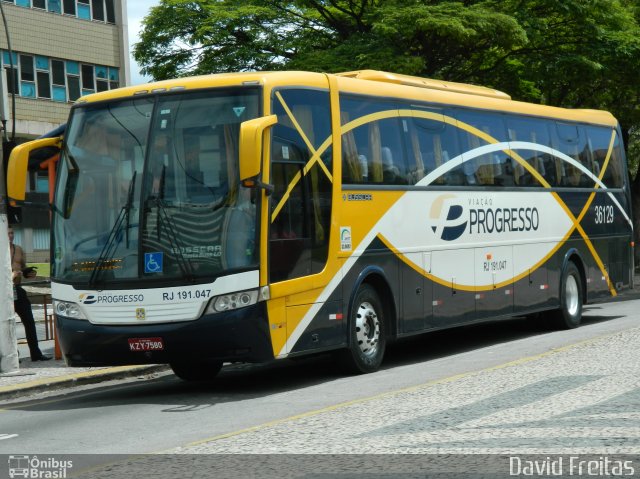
(247, 381)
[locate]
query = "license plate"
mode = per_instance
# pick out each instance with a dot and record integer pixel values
(146, 344)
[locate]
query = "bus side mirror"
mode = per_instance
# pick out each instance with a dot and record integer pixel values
(250, 150)
(19, 165)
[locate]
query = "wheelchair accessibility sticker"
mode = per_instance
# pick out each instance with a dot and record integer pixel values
(153, 262)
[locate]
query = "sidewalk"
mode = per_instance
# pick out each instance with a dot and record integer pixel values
(31, 378)
(49, 375)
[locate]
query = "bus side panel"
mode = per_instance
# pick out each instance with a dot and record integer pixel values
(415, 293)
(328, 327)
(493, 298)
(597, 286)
(453, 305)
(531, 291)
(609, 232)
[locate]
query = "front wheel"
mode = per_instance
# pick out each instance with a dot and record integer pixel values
(569, 314)
(191, 371)
(367, 340)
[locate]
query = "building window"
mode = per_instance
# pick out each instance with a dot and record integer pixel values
(12, 80)
(54, 6)
(43, 77)
(48, 78)
(88, 82)
(57, 70)
(98, 10)
(59, 93)
(44, 86)
(69, 7)
(26, 68)
(111, 11)
(73, 68)
(27, 77)
(27, 89)
(74, 87)
(41, 181)
(84, 9)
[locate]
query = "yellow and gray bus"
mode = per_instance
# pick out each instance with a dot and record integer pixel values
(259, 216)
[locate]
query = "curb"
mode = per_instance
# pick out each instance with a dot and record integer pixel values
(53, 383)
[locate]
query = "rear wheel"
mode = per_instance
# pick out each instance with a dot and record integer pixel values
(569, 314)
(367, 339)
(190, 371)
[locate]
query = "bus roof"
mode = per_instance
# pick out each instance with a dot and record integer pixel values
(389, 85)
(407, 80)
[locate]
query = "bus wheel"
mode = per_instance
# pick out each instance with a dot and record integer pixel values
(190, 371)
(569, 314)
(367, 339)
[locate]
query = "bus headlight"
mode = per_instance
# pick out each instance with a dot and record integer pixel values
(241, 299)
(68, 309)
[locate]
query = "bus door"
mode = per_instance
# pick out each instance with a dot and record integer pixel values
(300, 213)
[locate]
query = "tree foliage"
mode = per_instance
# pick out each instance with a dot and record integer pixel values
(575, 53)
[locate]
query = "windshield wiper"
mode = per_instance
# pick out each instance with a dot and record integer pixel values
(127, 207)
(164, 221)
(109, 247)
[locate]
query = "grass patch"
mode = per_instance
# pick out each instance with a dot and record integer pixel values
(44, 269)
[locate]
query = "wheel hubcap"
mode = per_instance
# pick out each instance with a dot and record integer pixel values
(367, 329)
(572, 296)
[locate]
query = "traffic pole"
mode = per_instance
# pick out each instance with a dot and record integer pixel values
(9, 359)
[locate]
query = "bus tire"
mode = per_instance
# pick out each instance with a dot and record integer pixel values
(190, 371)
(367, 339)
(569, 315)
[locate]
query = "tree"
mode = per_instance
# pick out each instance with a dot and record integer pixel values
(206, 36)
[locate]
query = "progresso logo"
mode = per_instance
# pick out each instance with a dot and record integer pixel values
(86, 298)
(447, 218)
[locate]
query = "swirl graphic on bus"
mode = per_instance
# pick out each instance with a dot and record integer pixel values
(446, 218)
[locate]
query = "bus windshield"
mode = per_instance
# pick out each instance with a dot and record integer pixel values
(149, 188)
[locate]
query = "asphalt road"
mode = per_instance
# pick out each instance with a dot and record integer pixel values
(498, 388)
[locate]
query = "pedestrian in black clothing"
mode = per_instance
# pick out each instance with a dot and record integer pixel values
(21, 302)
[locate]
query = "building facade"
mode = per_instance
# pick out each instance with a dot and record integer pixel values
(61, 50)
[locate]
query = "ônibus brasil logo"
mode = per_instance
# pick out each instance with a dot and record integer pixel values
(449, 217)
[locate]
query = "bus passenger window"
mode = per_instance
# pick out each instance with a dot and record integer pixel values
(478, 129)
(532, 136)
(599, 139)
(576, 170)
(437, 143)
(374, 152)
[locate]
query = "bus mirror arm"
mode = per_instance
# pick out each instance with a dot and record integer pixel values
(256, 183)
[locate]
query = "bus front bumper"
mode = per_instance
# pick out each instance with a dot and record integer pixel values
(240, 335)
